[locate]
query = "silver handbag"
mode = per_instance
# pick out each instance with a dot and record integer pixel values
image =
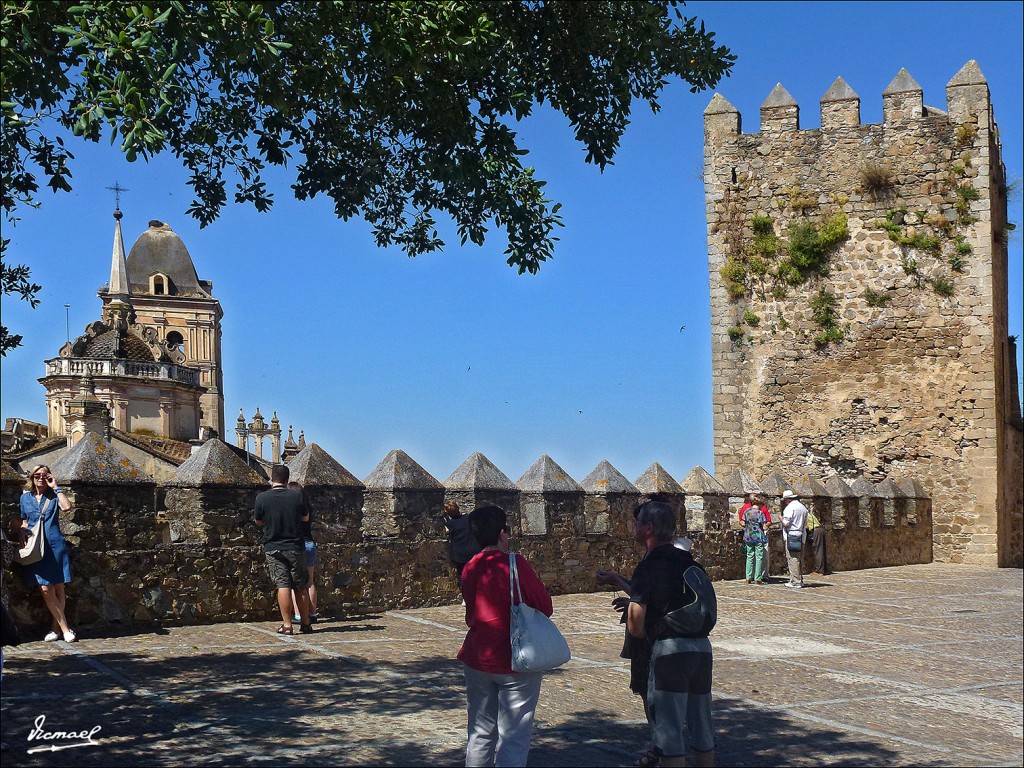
(537, 645)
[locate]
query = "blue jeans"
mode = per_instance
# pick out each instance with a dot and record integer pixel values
(500, 715)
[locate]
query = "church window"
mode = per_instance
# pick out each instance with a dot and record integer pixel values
(160, 285)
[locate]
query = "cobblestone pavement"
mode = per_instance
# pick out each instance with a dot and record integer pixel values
(917, 665)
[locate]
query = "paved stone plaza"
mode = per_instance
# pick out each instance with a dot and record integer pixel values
(916, 665)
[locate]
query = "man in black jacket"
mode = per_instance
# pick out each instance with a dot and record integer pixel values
(679, 690)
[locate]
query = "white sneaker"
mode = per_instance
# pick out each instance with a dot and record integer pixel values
(794, 586)
(51, 636)
(70, 636)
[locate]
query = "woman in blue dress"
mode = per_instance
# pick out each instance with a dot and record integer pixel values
(45, 500)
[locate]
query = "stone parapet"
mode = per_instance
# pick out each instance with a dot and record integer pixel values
(181, 553)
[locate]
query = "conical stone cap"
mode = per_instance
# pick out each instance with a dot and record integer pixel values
(656, 480)
(93, 460)
(914, 489)
(902, 83)
(888, 489)
(607, 479)
(840, 91)
(863, 487)
(739, 482)
(969, 74)
(397, 472)
(774, 485)
(807, 487)
(838, 489)
(478, 473)
(719, 106)
(313, 466)
(700, 482)
(215, 464)
(779, 97)
(545, 476)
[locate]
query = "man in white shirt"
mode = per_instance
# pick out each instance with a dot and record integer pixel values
(794, 526)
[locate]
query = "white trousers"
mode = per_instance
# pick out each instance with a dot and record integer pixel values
(500, 716)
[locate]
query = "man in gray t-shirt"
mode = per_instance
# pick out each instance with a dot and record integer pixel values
(280, 512)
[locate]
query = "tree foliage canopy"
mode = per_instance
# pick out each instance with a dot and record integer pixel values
(395, 110)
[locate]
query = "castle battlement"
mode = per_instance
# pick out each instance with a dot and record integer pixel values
(186, 550)
(967, 101)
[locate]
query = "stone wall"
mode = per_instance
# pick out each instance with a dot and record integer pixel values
(187, 551)
(904, 369)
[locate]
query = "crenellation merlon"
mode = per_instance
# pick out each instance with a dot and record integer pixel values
(840, 106)
(903, 99)
(780, 112)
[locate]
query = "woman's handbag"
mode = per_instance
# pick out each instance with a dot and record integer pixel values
(537, 645)
(34, 548)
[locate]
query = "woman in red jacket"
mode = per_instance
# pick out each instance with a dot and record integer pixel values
(500, 703)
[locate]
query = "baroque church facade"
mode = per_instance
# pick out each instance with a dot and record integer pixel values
(148, 375)
(154, 357)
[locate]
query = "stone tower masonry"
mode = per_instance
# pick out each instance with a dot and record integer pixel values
(886, 352)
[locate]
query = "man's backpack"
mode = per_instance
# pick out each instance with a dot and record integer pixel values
(753, 526)
(697, 617)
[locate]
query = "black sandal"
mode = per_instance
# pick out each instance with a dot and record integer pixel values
(306, 628)
(283, 630)
(648, 759)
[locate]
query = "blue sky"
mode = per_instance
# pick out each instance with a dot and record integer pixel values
(605, 354)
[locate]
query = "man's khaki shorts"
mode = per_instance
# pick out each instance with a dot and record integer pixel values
(288, 568)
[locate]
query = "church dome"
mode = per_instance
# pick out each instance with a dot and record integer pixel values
(159, 251)
(132, 347)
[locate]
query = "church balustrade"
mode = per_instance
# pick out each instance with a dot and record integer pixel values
(73, 367)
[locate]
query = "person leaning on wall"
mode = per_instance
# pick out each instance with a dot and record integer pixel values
(42, 504)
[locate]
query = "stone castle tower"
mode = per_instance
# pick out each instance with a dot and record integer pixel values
(858, 280)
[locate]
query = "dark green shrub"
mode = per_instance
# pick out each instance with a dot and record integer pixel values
(943, 286)
(824, 308)
(750, 318)
(828, 336)
(762, 226)
(875, 298)
(734, 273)
(923, 242)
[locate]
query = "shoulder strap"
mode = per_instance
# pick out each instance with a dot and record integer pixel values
(513, 580)
(44, 507)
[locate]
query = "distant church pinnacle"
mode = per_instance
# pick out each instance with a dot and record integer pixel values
(118, 266)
